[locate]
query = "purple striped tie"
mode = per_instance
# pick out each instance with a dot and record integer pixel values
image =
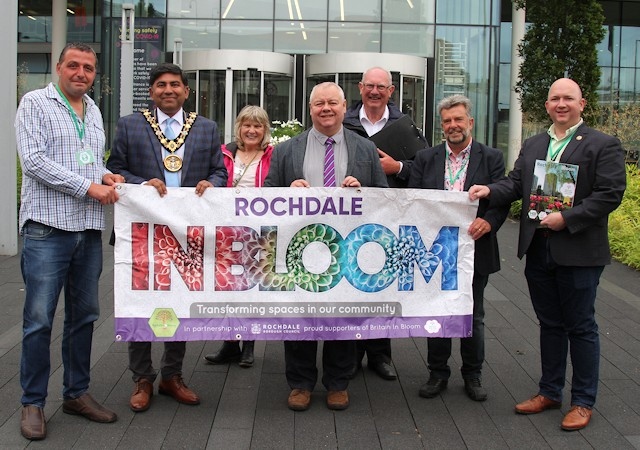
(329, 165)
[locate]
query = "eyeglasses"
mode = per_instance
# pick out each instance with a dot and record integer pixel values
(380, 87)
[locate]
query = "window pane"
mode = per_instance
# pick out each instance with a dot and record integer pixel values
(360, 10)
(301, 9)
(211, 96)
(354, 37)
(195, 34)
(413, 99)
(247, 9)
(34, 28)
(142, 8)
(277, 95)
(408, 40)
(246, 35)
(408, 11)
(462, 63)
(300, 37)
(464, 12)
(201, 9)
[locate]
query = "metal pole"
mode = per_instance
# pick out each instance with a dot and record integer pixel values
(8, 81)
(126, 60)
(515, 108)
(177, 51)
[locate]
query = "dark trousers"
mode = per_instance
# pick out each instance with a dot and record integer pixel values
(142, 367)
(301, 370)
(377, 350)
(471, 348)
(563, 298)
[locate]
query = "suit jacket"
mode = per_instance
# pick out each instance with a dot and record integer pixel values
(486, 165)
(363, 161)
(599, 190)
(137, 154)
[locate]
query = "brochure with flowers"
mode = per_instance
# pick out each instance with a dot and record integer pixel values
(553, 188)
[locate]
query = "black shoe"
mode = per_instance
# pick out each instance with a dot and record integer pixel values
(246, 359)
(353, 372)
(229, 352)
(384, 370)
(433, 387)
(475, 391)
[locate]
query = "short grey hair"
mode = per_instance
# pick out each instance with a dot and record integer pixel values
(455, 100)
(325, 85)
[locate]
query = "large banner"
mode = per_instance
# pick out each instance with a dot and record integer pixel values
(292, 264)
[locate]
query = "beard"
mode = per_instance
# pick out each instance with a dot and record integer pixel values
(459, 138)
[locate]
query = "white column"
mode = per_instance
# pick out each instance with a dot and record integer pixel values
(58, 33)
(515, 108)
(126, 59)
(8, 156)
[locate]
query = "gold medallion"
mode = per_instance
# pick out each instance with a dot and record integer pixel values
(173, 163)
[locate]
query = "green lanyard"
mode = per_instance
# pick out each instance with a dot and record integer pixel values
(453, 179)
(553, 155)
(74, 116)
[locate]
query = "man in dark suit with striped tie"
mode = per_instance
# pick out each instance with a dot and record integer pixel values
(300, 162)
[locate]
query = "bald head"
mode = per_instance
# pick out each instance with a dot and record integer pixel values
(565, 104)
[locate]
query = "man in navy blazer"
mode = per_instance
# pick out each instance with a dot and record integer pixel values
(566, 250)
(160, 148)
(300, 162)
(455, 165)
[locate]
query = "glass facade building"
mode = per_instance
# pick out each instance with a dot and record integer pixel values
(271, 52)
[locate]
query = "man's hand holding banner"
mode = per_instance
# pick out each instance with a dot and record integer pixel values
(292, 264)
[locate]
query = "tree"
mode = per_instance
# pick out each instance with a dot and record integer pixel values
(559, 42)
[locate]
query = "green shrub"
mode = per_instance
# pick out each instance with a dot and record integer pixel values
(624, 223)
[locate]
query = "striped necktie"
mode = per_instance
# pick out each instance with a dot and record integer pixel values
(329, 164)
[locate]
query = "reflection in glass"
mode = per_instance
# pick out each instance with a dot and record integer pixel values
(195, 34)
(195, 9)
(354, 37)
(475, 12)
(142, 8)
(463, 59)
(408, 40)
(413, 99)
(211, 96)
(361, 10)
(300, 37)
(408, 11)
(247, 9)
(277, 95)
(302, 10)
(246, 89)
(247, 35)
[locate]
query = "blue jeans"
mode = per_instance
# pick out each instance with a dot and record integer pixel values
(563, 298)
(51, 259)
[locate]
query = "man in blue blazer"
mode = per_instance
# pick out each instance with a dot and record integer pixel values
(160, 148)
(303, 161)
(455, 165)
(566, 250)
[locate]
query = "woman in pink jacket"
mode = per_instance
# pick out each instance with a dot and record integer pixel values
(247, 161)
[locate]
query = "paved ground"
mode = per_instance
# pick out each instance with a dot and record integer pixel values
(246, 408)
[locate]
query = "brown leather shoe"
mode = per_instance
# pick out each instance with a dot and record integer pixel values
(141, 397)
(536, 404)
(86, 406)
(577, 418)
(299, 400)
(176, 388)
(338, 400)
(32, 423)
